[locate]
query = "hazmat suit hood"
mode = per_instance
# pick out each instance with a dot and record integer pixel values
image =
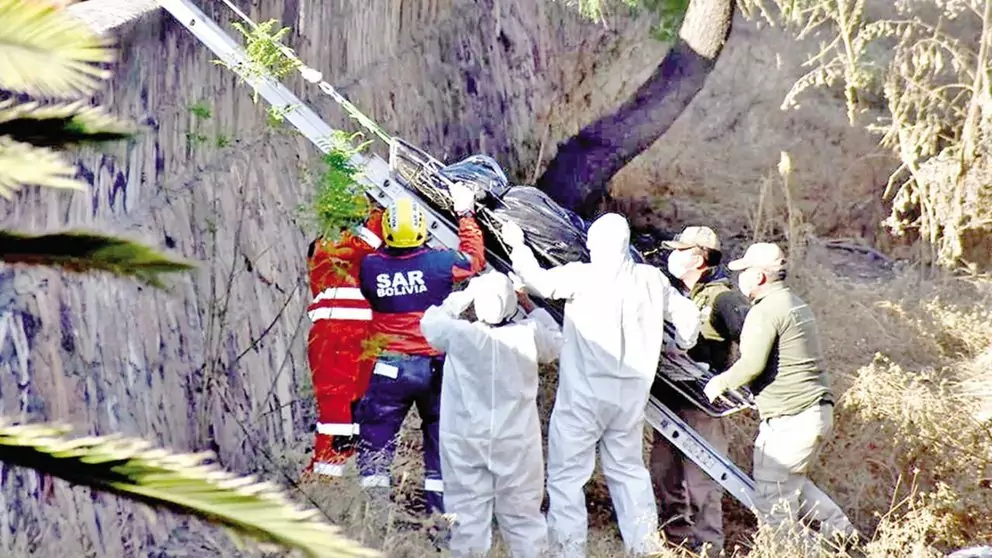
(608, 241)
(494, 298)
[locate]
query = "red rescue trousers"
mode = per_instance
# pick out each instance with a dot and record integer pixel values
(341, 321)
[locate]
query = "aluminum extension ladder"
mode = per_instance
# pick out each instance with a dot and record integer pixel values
(377, 181)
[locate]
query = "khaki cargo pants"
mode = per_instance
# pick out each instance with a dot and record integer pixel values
(689, 501)
(783, 452)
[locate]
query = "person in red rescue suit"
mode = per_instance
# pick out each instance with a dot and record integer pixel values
(401, 281)
(342, 320)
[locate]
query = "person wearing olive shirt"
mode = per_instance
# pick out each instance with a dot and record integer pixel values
(781, 361)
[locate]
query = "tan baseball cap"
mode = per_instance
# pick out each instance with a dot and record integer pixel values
(763, 255)
(691, 237)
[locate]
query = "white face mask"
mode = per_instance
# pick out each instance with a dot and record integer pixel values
(679, 263)
(747, 282)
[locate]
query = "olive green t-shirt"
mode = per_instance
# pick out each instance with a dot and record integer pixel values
(780, 356)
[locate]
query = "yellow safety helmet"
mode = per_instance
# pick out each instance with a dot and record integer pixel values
(404, 224)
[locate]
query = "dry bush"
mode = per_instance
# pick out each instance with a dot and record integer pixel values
(910, 459)
(916, 72)
(976, 385)
(906, 453)
(906, 463)
(909, 352)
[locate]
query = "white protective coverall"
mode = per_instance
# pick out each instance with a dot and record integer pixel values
(614, 325)
(491, 456)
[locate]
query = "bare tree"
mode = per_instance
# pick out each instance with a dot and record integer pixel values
(579, 175)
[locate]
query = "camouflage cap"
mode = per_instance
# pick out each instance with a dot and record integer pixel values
(692, 237)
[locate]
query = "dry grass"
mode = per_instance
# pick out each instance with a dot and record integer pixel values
(910, 461)
(911, 457)
(910, 353)
(909, 454)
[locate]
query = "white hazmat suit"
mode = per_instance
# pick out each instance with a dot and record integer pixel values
(614, 325)
(491, 456)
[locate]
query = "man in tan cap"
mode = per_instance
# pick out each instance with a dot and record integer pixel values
(689, 500)
(781, 361)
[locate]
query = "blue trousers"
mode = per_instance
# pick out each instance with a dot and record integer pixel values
(398, 383)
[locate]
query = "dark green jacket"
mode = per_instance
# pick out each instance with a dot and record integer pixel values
(722, 310)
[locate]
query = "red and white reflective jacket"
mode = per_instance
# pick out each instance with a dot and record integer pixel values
(334, 271)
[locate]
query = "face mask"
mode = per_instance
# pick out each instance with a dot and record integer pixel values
(746, 282)
(677, 264)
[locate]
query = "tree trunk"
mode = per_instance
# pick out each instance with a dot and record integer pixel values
(578, 176)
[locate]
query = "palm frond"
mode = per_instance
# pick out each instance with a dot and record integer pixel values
(183, 483)
(45, 52)
(61, 124)
(82, 252)
(24, 164)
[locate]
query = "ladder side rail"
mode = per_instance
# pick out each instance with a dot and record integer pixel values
(375, 171)
(719, 467)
